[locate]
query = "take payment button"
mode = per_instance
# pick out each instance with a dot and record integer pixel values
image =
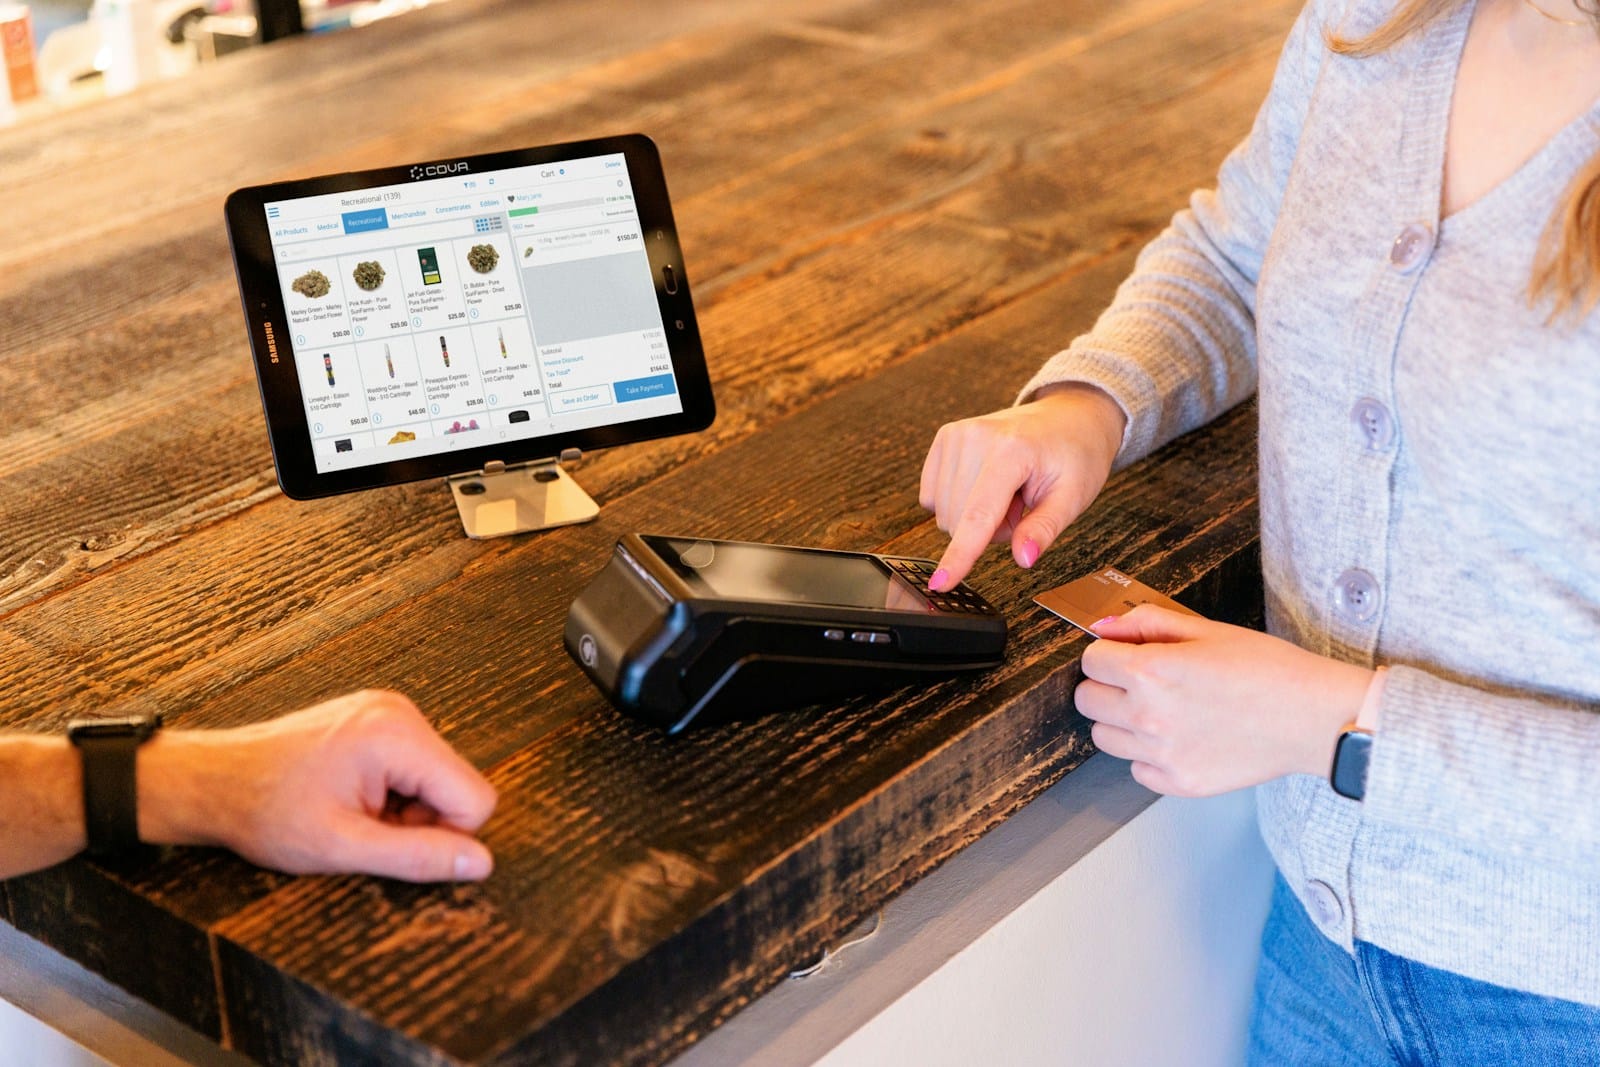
(645, 388)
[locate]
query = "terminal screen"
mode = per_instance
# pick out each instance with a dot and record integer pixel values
(453, 312)
(780, 574)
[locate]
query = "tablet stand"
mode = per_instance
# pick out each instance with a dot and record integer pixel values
(501, 500)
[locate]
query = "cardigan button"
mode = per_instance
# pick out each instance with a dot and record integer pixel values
(1326, 908)
(1374, 422)
(1355, 595)
(1410, 247)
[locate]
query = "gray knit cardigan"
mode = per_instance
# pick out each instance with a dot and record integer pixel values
(1430, 493)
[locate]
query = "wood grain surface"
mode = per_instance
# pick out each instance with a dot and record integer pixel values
(892, 211)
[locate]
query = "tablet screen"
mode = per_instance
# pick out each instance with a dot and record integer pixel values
(464, 311)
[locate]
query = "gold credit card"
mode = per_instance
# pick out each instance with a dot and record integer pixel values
(1105, 592)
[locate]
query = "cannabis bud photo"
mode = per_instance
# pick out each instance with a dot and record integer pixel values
(313, 283)
(368, 274)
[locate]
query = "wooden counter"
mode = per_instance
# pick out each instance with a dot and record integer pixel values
(891, 212)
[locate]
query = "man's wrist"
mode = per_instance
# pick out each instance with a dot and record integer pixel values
(183, 794)
(41, 802)
(59, 813)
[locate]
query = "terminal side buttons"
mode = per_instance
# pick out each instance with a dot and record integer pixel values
(669, 278)
(860, 637)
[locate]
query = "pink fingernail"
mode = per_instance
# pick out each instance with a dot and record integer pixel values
(1028, 552)
(940, 578)
(1102, 622)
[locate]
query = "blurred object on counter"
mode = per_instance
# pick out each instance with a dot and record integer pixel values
(324, 15)
(131, 42)
(279, 18)
(215, 36)
(125, 42)
(122, 44)
(16, 41)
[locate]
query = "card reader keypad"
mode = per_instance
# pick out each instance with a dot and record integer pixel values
(960, 600)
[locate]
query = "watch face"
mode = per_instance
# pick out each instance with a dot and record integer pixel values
(1351, 755)
(140, 726)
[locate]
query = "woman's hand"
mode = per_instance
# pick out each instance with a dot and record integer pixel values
(1201, 707)
(1019, 475)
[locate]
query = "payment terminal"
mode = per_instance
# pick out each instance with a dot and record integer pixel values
(682, 631)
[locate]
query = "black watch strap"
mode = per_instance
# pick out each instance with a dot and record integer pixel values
(109, 749)
(1351, 755)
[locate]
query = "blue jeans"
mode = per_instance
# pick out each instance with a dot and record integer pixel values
(1317, 1006)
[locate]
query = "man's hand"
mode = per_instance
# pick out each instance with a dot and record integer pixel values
(361, 783)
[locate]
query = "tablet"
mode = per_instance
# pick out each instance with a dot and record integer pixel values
(450, 316)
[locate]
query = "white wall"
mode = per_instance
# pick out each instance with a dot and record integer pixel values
(1098, 926)
(26, 1040)
(1143, 953)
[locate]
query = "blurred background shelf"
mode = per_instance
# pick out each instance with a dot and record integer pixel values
(88, 49)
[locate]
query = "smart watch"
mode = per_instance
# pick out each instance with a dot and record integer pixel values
(1351, 755)
(109, 749)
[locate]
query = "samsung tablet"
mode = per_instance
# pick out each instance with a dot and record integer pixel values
(449, 316)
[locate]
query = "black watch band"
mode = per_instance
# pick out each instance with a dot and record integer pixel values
(1351, 755)
(110, 748)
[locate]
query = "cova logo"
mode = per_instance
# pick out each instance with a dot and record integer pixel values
(437, 170)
